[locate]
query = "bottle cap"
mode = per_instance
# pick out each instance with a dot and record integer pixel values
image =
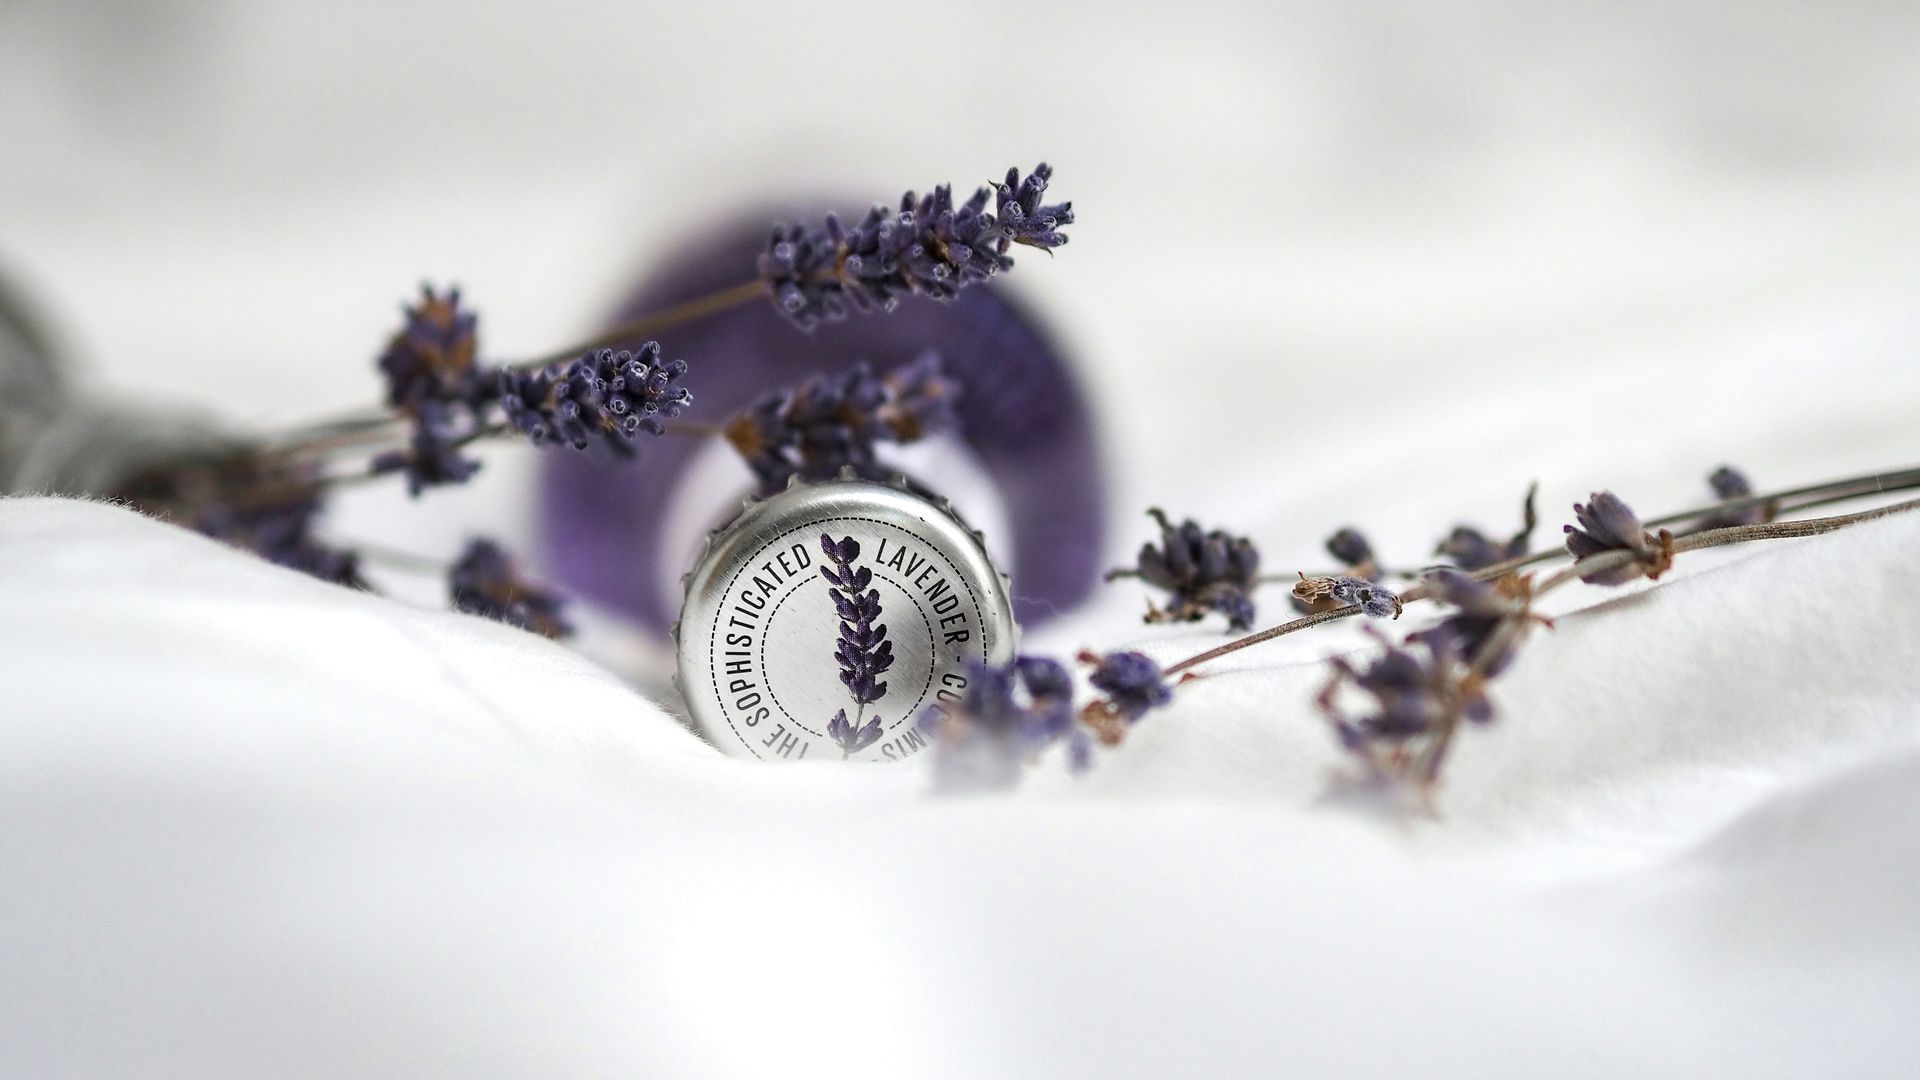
(823, 621)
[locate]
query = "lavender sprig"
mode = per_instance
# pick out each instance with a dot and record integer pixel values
(1201, 571)
(1481, 609)
(1730, 483)
(433, 456)
(483, 582)
(1416, 695)
(835, 422)
(862, 649)
(927, 246)
(1471, 549)
(281, 532)
(434, 356)
(436, 381)
(1133, 685)
(1608, 524)
(603, 400)
(1004, 716)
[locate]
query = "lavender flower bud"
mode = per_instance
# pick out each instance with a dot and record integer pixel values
(282, 534)
(1006, 715)
(483, 582)
(1324, 593)
(927, 246)
(1608, 524)
(1730, 483)
(433, 457)
(798, 268)
(1470, 549)
(1480, 610)
(603, 400)
(1049, 713)
(1201, 572)
(432, 358)
(1412, 696)
(1411, 693)
(835, 422)
(1132, 683)
(919, 399)
(1022, 219)
(1350, 548)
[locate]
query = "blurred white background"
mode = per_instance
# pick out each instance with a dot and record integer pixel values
(1431, 224)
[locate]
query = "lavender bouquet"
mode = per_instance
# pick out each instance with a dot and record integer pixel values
(607, 397)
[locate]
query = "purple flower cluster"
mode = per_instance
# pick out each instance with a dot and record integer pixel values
(1414, 694)
(483, 582)
(434, 376)
(1005, 716)
(1470, 549)
(1730, 483)
(434, 357)
(282, 534)
(1480, 609)
(1131, 681)
(1420, 691)
(602, 400)
(1608, 524)
(1351, 549)
(928, 246)
(1201, 571)
(835, 422)
(433, 454)
(862, 649)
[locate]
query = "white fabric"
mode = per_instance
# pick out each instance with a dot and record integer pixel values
(256, 825)
(1335, 265)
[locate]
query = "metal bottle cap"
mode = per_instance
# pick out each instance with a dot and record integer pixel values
(765, 638)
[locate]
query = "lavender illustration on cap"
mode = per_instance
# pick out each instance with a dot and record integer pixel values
(862, 649)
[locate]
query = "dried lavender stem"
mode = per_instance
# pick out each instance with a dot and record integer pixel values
(1734, 534)
(1428, 763)
(648, 325)
(279, 491)
(332, 427)
(1829, 491)
(1437, 747)
(379, 430)
(402, 560)
(1272, 632)
(384, 433)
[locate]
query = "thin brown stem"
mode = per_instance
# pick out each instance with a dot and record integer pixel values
(332, 427)
(648, 325)
(396, 559)
(1788, 501)
(374, 428)
(1733, 534)
(385, 433)
(1436, 747)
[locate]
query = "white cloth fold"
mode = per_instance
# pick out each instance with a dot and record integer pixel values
(254, 824)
